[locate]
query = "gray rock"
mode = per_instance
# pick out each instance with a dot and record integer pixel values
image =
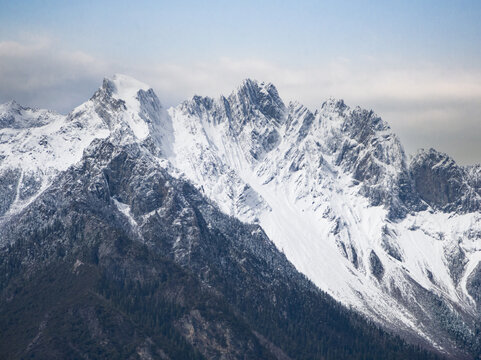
(443, 184)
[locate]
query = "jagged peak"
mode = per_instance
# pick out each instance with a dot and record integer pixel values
(125, 93)
(431, 151)
(204, 101)
(10, 104)
(14, 115)
(127, 106)
(433, 155)
(255, 83)
(443, 184)
(353, 118)
(10, 108)
(262, 96)
(255, 89)
(296, 105)
(123, 87)
(198, 105)
(14, 106)
(248, 83)
(123, 82)
(334, 103)
(249, 95)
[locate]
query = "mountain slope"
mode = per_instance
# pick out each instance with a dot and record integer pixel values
(332, 190)
(130, 262)
(35, 145)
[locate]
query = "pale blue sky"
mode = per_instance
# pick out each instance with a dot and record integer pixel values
(417, 63)
(286, 31)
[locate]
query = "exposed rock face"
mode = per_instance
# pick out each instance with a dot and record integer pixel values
(9, 179)
(376, 265)
(144, 259)
(15, 116)
(132, 191)
(474, 284)
(83, 215)
(444, 185)
(365, 147)
(456, 260)
(333, 190)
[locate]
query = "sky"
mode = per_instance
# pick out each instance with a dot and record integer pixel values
(415, 63)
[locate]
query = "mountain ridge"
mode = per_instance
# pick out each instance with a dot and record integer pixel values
(131, 262)
(331, 188)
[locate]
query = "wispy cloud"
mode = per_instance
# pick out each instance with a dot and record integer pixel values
(38, 73)
(426, 104)
(344, 78)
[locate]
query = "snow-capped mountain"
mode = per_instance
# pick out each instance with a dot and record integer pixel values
(333, 190)
(399, 242)
(35, 145)
(444, 185)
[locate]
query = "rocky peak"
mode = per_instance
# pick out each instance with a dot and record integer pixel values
(299, 120)
(252, 99)
(443, 184)
(363, 146)
(253, 103)
(131, 110)
(474, 176)
(439, 159)
(11, 105)
(16, 116)
(124, 87)
(200, 106)
(334, 104)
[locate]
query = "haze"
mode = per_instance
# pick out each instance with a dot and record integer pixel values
(417, 64)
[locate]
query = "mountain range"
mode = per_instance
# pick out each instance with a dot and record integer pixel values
(237, 227)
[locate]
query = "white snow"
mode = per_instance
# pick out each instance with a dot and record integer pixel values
(299, 209)
(125, 209)
(43, 143)
(126, 89)
(305, 199)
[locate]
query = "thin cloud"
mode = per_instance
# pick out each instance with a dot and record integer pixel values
(427, 105)
(37, 73)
